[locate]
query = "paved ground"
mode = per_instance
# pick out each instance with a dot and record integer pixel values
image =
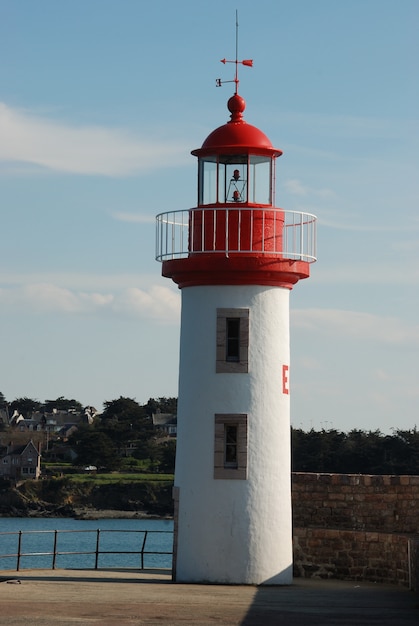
(113, 598)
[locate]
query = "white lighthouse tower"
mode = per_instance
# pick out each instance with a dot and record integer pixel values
(235, 256)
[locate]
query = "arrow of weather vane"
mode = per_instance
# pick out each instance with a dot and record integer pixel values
(247, 62)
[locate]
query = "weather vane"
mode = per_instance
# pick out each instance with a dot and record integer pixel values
(248, 62)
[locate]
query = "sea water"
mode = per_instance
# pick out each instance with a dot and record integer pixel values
(116, 537)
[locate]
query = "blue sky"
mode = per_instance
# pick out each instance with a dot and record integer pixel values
(101, 102)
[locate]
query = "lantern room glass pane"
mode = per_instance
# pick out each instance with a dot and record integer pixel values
(260, 180)
(232, 178)
(207, 181)
(237, 178)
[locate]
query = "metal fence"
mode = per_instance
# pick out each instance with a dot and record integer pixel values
(288, 234)
(94, 549)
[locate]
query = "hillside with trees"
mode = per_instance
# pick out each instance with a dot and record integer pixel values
(123, 433)
(356, 452)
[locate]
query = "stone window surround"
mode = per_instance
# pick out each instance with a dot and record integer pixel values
(232, 367)
(221, 470)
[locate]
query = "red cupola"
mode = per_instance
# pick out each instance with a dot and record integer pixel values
(236, 234)
(236, 162)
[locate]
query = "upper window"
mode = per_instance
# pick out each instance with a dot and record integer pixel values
(232, 341)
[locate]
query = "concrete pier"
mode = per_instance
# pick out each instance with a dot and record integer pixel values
(110, 598)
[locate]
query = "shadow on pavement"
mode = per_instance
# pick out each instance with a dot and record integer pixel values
(311, 602)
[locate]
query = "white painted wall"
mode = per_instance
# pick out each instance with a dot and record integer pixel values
(234, 531)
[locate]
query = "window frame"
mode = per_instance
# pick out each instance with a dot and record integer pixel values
(224, 469)
(233, 339)
(225, 363)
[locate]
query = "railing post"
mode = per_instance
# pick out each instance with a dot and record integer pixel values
(97, 548)
(19, 546)
(227, 240)
(54, 556)
(142, 549)
(302, 236)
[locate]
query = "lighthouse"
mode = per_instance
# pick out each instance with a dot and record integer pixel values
(235, 257)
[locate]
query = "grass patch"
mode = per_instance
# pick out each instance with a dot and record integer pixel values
(102, 479)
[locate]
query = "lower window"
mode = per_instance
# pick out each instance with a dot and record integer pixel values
(230, 446)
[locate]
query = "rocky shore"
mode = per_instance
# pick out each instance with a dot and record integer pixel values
(88, 514)
(55, 498)
(81, 513)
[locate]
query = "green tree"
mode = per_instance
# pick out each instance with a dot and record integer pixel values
(124, 420)
(167, 456)
(356, 452)
(61, 404)
(402, 451)
(164, 405)
(123, 410)
(94, 447)
(25, 406)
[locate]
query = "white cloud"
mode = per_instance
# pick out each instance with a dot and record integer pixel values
(351, 126)
(46, 297)
(354, 324)
(134, 217)
(357, 224)
(309, 362)
(29, 139)
(77, 282)
(297, 188)
(158, 302)
(398, 272)
(382, 375)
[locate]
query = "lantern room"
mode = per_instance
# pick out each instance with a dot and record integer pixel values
(236, 163)
(236, 234)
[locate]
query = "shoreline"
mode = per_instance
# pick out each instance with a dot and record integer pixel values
(87, 513)
(91, 514)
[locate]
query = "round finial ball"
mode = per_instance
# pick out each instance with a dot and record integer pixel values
(236, 104)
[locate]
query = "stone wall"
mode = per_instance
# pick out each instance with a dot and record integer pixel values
(352, 555)
(358, 527)
(387, 504)
(414, 563)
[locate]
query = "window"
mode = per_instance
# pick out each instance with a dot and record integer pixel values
(232, 341)
(25, 470)
(230, 446)
(231, 179)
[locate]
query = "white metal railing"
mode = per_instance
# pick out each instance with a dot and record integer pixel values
(288, 234)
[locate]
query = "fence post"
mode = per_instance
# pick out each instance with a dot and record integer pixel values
(19, 546)
(142, 549)
(55, 549)
(97, 547)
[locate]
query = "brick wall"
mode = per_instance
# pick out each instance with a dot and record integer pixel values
(352, 555)
(358, 527)
(385, 504)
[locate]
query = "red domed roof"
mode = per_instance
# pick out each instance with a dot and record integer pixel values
(237, 136)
